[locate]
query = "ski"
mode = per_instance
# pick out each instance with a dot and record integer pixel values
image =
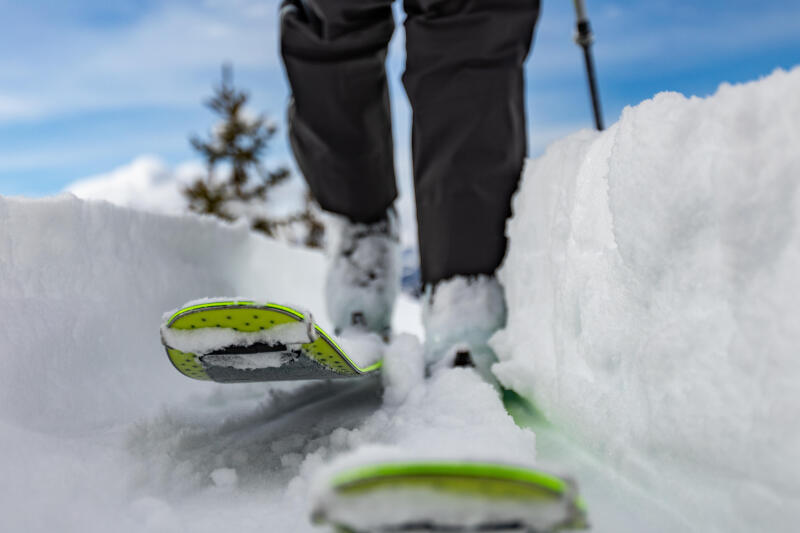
(235, 341)
(449, 496)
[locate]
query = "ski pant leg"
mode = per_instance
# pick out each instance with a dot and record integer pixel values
(334, 53)
(464, 79)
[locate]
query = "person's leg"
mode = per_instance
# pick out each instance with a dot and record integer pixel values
(464, 79)
(340, 130)
(339, 119)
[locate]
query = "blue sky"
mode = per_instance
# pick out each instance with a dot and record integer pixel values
(88, 85)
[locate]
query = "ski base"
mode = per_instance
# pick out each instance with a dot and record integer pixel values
(449, 496)
(247, 341)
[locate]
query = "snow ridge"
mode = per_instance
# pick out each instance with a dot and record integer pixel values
(653, 270)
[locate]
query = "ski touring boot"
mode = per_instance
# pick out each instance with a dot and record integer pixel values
(364, 276)
(460, 316)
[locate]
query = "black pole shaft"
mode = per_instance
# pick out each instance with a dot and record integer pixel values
(598, 112)
(584, 38)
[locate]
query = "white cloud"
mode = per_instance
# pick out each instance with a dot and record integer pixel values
(149, 184)
(146, 183)
(12, 106)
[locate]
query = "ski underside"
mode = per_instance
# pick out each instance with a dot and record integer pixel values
(245, 341)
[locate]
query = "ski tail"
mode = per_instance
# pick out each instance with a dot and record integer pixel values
(244, 341)
(451, 495)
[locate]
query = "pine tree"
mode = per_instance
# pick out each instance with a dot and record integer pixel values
(238, 145)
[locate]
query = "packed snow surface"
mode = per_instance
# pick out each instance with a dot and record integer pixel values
(652, 284)
(654, 275)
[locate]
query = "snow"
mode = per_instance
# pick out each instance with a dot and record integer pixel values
(452, 415)
(81, 282)
(653, 273)
(652, 315)
(362, 347)
(225, 478)
(248, 361)
(210, 339)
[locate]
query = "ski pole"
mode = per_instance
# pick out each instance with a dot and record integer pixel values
(584, 38)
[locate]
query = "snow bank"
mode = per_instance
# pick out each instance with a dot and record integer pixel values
(653, 279)
(99, 432)
(90, 407)
(83, 286)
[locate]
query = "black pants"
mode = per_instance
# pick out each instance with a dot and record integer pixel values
(464, 79)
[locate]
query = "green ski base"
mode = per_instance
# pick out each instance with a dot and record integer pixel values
(321, 358)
